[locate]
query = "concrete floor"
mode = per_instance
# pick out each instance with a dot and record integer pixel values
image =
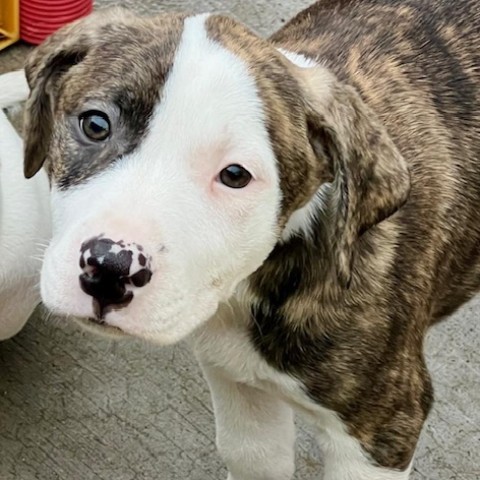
(75, 407)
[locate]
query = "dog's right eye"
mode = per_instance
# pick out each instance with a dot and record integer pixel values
(95, 125)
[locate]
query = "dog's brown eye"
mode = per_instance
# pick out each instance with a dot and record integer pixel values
(95, 125)
(235, 176)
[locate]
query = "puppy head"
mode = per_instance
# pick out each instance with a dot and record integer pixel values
(179, 150)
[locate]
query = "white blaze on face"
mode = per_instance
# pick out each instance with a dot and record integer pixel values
(203, 237)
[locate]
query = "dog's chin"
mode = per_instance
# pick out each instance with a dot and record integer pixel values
(168, 335)
(150, 320)
(99, 327)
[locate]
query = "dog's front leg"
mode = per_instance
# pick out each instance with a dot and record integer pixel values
(255, 430)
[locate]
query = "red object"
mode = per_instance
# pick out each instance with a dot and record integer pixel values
(40, 18)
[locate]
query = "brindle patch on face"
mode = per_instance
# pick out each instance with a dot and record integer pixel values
(113, 62)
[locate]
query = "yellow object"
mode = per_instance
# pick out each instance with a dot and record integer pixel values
(9, 22)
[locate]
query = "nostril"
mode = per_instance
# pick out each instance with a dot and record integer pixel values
(107, 295)
(141, 278)
(100, 287)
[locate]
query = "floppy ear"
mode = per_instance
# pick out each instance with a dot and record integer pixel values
(45, 69)
(371, 177)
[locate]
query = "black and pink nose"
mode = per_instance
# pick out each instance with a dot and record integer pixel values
(108, 268)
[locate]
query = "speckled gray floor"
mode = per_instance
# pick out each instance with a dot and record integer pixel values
(74, 407)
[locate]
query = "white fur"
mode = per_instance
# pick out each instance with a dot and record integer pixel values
(301, 221)
(298, 59)
(13, 88)
(203, 237)
(24, 219)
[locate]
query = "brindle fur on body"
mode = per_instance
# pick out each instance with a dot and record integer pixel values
(364, 232)
(359, 350)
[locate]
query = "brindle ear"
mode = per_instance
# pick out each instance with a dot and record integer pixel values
(371, 177)
(45, 69)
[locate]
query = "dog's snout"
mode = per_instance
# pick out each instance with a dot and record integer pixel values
(108, 268)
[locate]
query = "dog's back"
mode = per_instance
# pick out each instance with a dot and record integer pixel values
(417, 65)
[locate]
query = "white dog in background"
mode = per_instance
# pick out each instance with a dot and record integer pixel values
(24, 218)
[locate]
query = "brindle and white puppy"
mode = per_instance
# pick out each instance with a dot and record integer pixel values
(303, 207)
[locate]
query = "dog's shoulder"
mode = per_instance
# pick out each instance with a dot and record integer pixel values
(415, 64)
